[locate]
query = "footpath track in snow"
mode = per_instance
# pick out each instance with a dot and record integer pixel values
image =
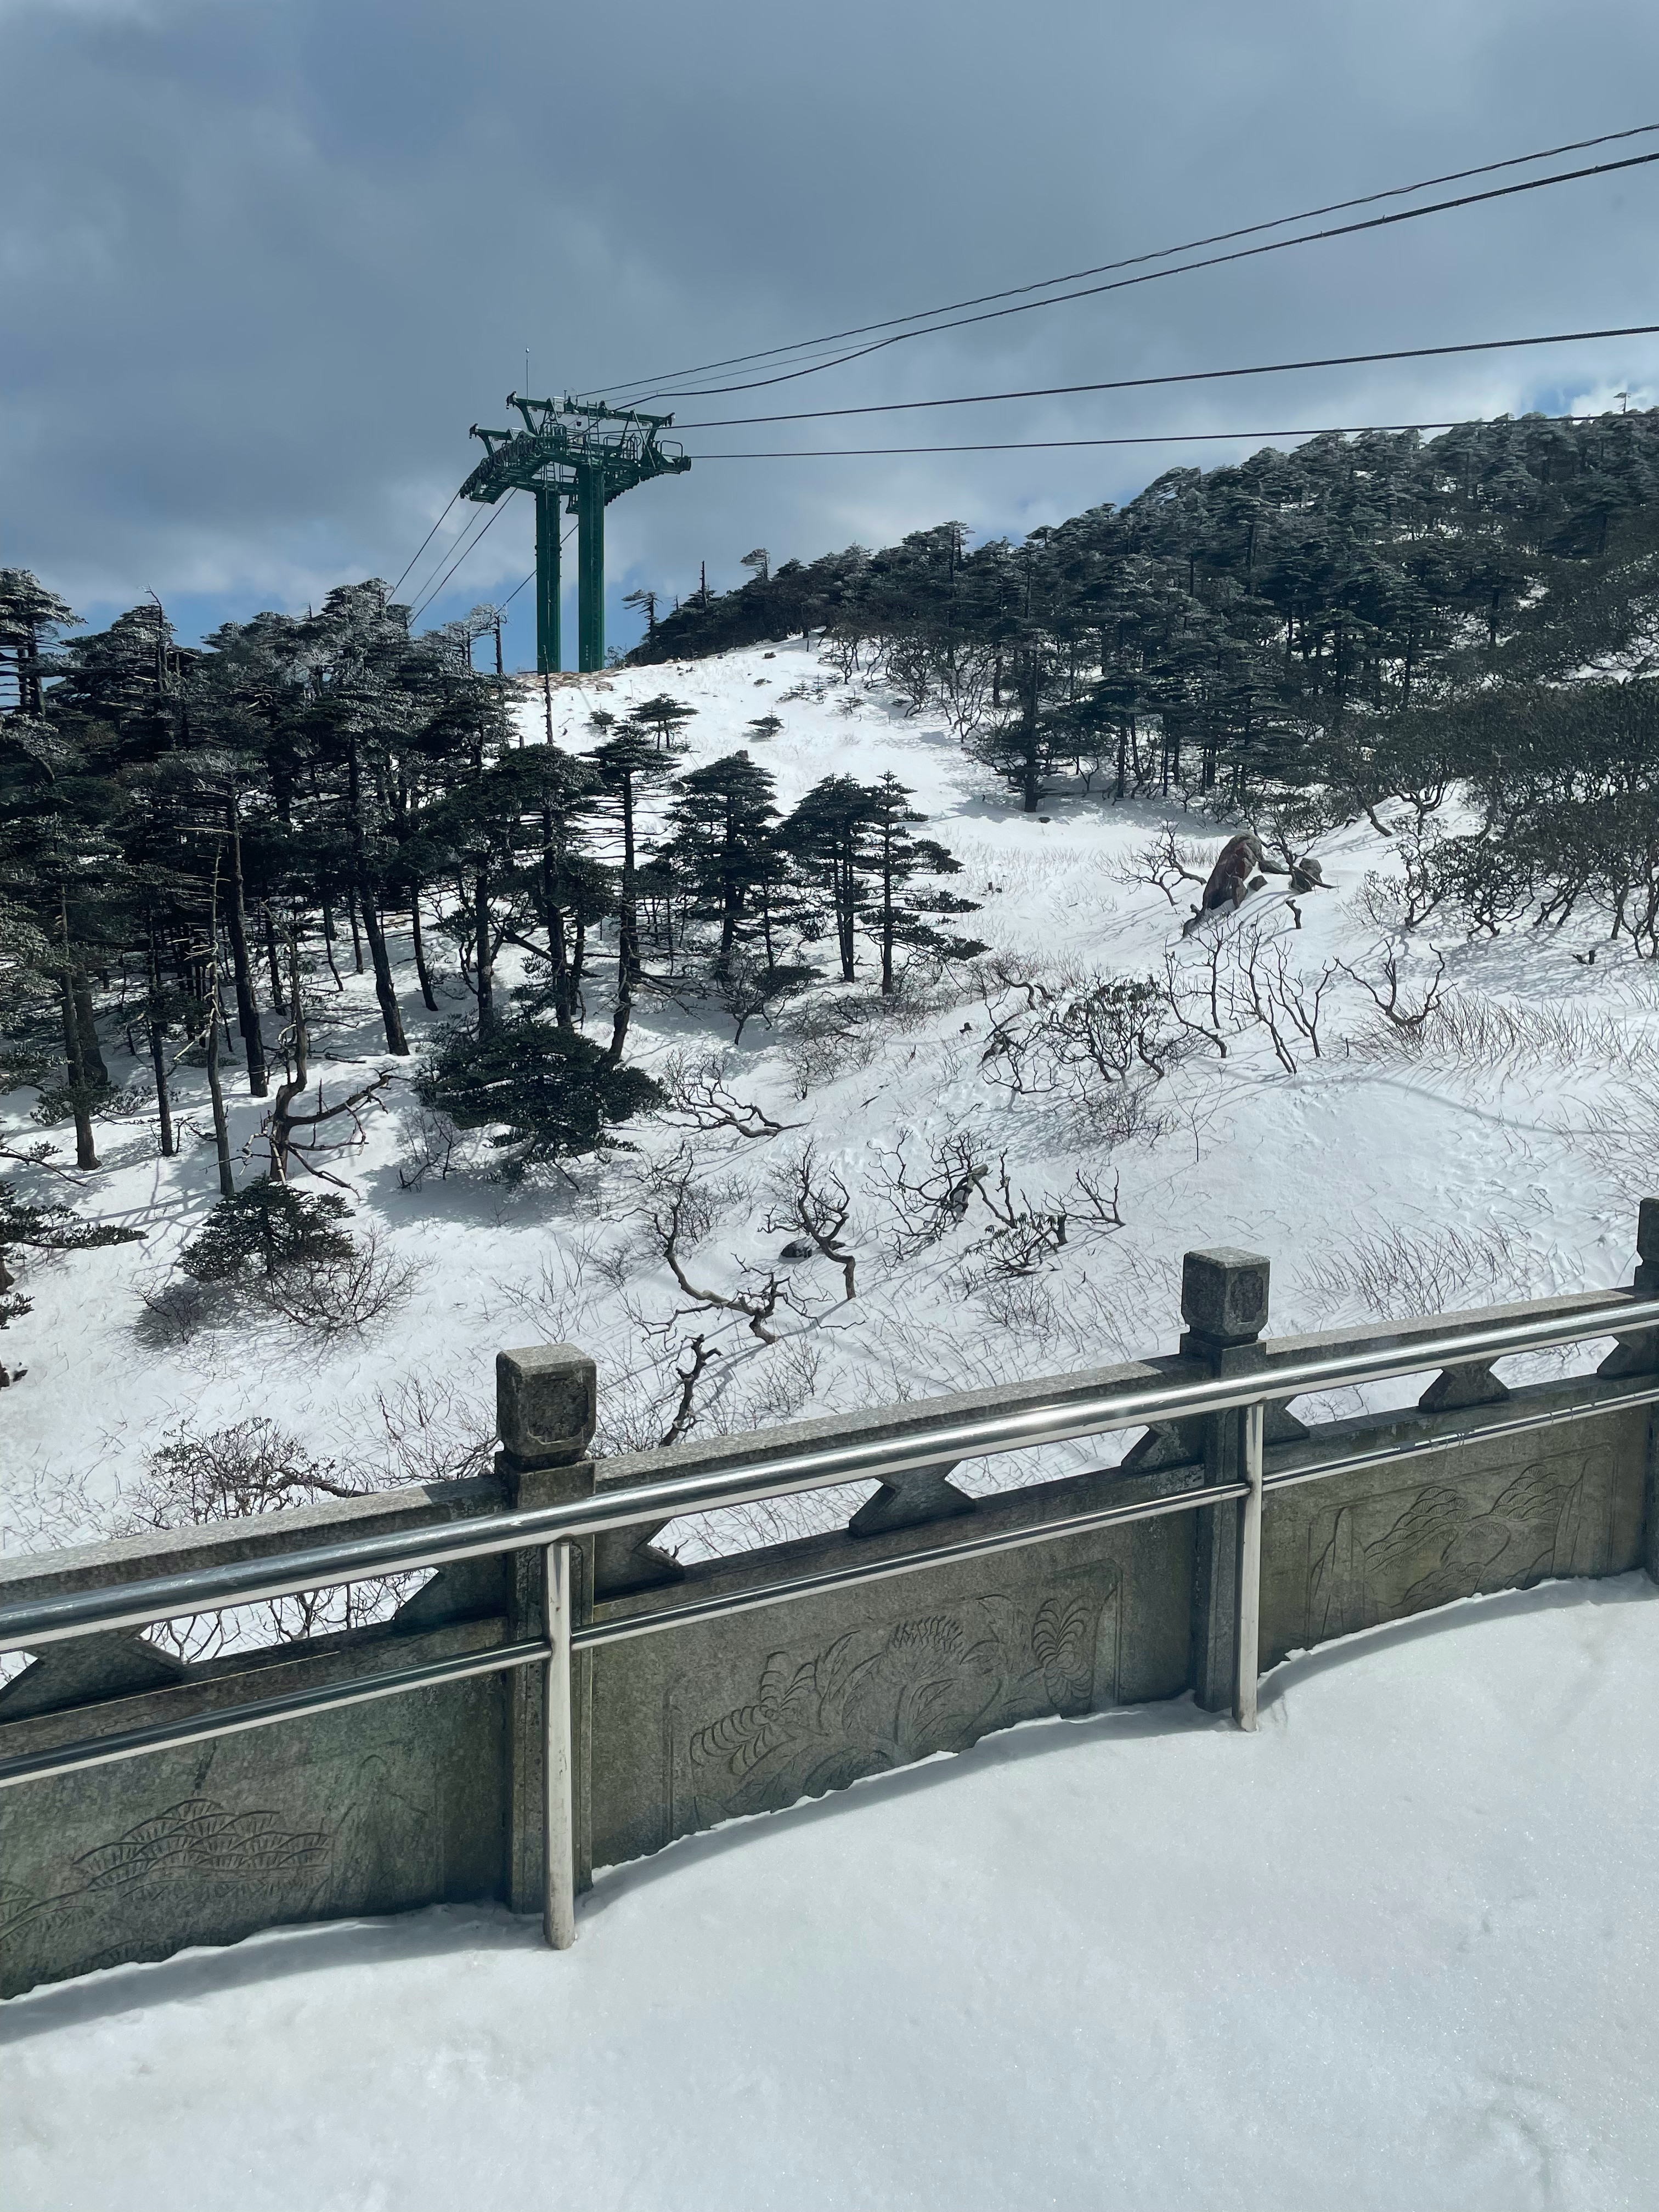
(1396, 1952)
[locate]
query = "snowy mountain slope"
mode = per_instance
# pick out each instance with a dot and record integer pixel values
(1377, 1178)
(1396, 1951)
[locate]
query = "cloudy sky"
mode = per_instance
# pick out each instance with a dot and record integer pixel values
(266, 260)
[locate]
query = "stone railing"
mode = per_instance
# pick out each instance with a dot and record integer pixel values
(160, 1804)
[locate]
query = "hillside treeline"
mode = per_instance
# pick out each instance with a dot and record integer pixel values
(198, 845)
(1299, 621)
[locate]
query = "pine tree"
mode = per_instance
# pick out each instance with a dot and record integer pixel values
(663, 716)
(831, 836)
(896, 914)
(30, 618)
(645, 601)
(551, 1093)
(558, 887)
(721, 817)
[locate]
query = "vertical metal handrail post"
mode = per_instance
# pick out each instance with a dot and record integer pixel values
(1248, 1613)
(558, 1819)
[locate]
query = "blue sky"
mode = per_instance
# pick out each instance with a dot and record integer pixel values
(265, 263)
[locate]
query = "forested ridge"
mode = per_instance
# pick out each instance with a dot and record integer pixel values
(1322, 617)
(196, 842)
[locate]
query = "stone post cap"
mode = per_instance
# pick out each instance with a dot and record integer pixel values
(545, 1404)
(1223, 1295)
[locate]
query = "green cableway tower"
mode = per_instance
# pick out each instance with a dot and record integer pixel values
(579, 456)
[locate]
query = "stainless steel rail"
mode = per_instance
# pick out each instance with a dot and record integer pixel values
(31, 1624)
(597, 1634)
(1512, 1425)
(262, 1712)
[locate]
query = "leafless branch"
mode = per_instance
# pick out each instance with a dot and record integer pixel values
(814, 1199)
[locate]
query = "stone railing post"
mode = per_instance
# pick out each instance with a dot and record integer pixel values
(1224, 1303)
(1639, 1355)
(544, 1415)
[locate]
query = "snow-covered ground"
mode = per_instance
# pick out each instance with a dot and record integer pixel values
(1495, 1169)
(1398, 1951)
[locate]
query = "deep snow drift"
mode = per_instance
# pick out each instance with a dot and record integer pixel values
(1490, 1164)
(1397, 1951)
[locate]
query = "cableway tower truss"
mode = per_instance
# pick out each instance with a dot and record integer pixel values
(575, 457)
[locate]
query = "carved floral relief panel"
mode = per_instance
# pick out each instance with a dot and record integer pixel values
(1380, 1558)
(884, 1695)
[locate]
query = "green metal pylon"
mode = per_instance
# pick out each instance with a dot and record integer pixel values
(573, 461)
(548, 655)
(590, 569)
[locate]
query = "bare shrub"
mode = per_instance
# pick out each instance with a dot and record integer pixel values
(1397, 1274)
(1017, 1302)
(1400, 1008)
(839, 1033)
(1485, 1035)
(1165, 862)
(634, 1407)
(1378, 901)
(679, 1211)
(699, 1096)
(1099, 1043)
(814, 1061)
(925, 1203)
(842, 647)
(436, 1432)
(1401, 900)
(1095, 1208)
(1024, 1235)
(744, 985)
(700, 1202)
(135, 1100)
(352, 1292)
(195, 1479)
(1202, 992)
(430, 1141)
(813, 1198)
(779, 1385)
(697, 1355)
(956, 678)
(1283, 999)
(832, 1038)
(557, 1304)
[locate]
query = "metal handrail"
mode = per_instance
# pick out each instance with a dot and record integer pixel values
(30, 1624)
(26, 1627)
(106, 1750)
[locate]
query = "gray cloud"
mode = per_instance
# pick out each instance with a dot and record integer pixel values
(265, 263)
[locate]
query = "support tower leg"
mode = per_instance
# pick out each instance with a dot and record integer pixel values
(548, 655)
(590, 569)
